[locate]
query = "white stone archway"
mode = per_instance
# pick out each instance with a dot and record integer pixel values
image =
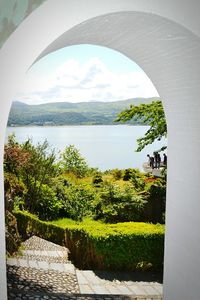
(166, 44)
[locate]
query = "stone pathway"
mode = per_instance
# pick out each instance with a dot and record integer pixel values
(155, 172)
(91, 283)
(43, 271)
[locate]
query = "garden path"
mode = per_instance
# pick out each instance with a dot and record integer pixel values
(42, 271)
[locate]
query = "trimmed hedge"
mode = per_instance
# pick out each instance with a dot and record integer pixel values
(121, 246)
(29, 225)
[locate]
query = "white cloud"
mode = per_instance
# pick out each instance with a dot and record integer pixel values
(75, 82)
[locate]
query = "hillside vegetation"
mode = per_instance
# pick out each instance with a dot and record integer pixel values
(66, 113)
(66, 191)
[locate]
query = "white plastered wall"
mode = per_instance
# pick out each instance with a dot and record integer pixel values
(163, 38)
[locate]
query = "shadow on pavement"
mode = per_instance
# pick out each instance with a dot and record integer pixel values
(130, 276)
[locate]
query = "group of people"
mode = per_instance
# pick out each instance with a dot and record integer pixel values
(155, 160)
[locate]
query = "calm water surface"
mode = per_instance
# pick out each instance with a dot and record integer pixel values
(105, 147)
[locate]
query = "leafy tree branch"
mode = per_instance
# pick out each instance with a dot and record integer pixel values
(151, 114)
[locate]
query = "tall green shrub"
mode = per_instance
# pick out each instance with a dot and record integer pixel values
(119, 204)
(41, 167)
(79, 201)
(48, 207)
(97, 179)
(72, 161)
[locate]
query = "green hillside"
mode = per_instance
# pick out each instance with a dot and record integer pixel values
(66, 113)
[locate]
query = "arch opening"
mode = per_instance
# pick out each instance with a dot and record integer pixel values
(75, 75)
(100, 69)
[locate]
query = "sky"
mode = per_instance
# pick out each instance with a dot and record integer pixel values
(85, 73)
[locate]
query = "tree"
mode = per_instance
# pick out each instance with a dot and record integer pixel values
(15, 157)
(119, 203)
(14, 191)
(39, 170)
(151, 114)
(49, 206)
(73, 162)
(78, 202)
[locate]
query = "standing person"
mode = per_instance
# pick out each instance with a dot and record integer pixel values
(158, 160)
(154, 156)
(149, 160)
(165, 160)
(152, 162)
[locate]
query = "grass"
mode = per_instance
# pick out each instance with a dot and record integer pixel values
(88, 179)
(102, 229)
(65, 222)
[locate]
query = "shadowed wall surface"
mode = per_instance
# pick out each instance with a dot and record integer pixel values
(12, 13)
(163, 38)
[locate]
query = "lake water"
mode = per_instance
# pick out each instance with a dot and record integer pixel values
(105, 147)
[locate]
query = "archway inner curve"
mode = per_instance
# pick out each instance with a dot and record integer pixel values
(157, 45)
(169, 54)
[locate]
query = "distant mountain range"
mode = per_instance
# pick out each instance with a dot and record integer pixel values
(67, 113)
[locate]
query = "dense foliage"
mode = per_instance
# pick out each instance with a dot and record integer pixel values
(39, 183)
(117, 204)
(122, 246)
(151, 114)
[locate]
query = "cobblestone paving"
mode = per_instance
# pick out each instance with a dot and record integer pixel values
(38, 249)
(49, 259)
(40, 296)
(43, 272)
(36, 243)
(25, 279)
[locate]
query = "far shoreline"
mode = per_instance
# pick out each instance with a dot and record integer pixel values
(73, 125)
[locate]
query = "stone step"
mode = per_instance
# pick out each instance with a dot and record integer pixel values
(45, 253)
(37, 281)
(90, 283)
(27, 263)
(42, 271)
(16, 294)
